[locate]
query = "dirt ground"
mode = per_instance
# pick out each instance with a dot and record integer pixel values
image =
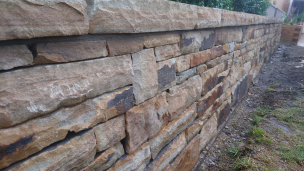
(266, 131)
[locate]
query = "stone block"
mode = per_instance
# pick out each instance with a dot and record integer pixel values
(199, 58)
(73, 153)
(145, 75)
(171, 130)
(190, 42)
(109, 133)
(70, 51)
(122, 45)
(106, 158)
(223, 75)
(201, 68)
(208, 17)
(227, 35)
(29, 19)
(183, 76)
(145, 121)
(210, 79)
(195, 128)
(216, 52)
(182, 96)
(183, 63)
(232, 46)
(207, 39)
(154, 40)
(239, 90)
(15, 56)
(48, 89)
(223, 113)
(166, 74)
(226, 47)
(208, 132)
(219, 60)
(167, 52)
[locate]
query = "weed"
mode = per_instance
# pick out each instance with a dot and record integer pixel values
(269, 90)
(257, 132)
(295, 155)
(257, 119)
(244, 163)
(266, 141)
(274, 85)
(263, 111)
(234, 150)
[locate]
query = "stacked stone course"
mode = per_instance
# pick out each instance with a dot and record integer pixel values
(109, 101)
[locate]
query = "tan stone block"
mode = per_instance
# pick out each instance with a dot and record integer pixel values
(219, 60)
(154, 40)
(207, 39)
(191, 42)
(232, 18)
(199, 58)
(145, 121)
(226, 48)
(216, 52)
(195, 128)
(183, 63)
(15, 56)
(185, 75)
(70, 51)
(123, 45)
(167, 52)
(171, 130)
(208, 132)
(210, 79)
(227, 35)
(201, 68)
(208, 17)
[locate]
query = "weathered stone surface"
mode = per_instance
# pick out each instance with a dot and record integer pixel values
(70, 51)
(223, 75)
(140, 16)
(106, 159)
(29, 19)
(219, 60)
(145, 75)
(145, 121)
(43, 131)
(207, 39)
(71, 154)
(210, 79)
(223, 113)
(191, 42)
(188, 157)
(226, 48)
(208, 17)
(194, 129)
(199, 58)
(208, 132)
(155, 40)
(183, 63)
(166, 74)
(201, 68)
(167, 52)
(216, 52)
(183, 76)
(122, 45)
(14, 56)
(231, 46)
(109, 133)
(182, 96)
(172, 130)
(32, 92)
(232, 18)
(240, 89)
(135, 161)
(167, 154)
(227, 35)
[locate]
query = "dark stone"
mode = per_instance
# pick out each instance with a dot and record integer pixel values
(244, 29)
(183, 76)
(166, 75)
(208, 43)
(122, 102)
(241, 90)
(187, 42)
(224, 113)
(205, 103)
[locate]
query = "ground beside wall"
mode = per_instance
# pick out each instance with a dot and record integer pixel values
(90, 95)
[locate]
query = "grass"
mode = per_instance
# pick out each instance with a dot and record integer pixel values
(257, 119)
(295, 154)
(257, 132)
(243, 163)
(274, 85)
(262, 111)
(263, 140)
(269, 90)
(234, 150)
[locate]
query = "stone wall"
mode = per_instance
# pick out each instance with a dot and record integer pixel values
(121, 85)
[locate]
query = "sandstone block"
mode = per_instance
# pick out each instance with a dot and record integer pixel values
(123, 45)
(70, 51)
(232, 46)
(219, 60)
(208, 132)
(145, 121)
(171, 130)
(47, 89)
(208, 17)
(71, 154)
(227, 35)
(223, 113)
(15, 56)
(240, 89)
(135, 161)
(187, 158)
(109, 133)
(145, 75)
(166, 74)
(167, 52)
(199, 58)
(182, 96)
(183, 63)
(140, 16)
(195, 128)
(207, 39)
(232, 18)
(201, 68)
(155, 40)
(183, 76)
(191, 42)
(216, 52)
(25, 20)
(226, 47)
(210, 79)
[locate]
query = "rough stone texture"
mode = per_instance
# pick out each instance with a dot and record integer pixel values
(161, 39)
(135, 161)
(167, 154)
(201, 68)
(183, 76)
(210, 79)
(172, 130)
(166, 74)
(140, 16)
(29, 19)
(106, 159)
(219, 60)
(145, 75)
(208, 17)
(166, 52)
(207, 40)
(240, 89)
(14, 56)
(195, 128)
(188, 157)
(70, 154)
(227, 35)
(70, 51)
(183, 63)
(199, 58)
(223, 113)
(191, 42)
(44, 131)
(232, 18)
(208, 132)
(32, 92)
(226, 48)
(183, 95)
(145, 121)
(122, 45)
(109, 133)
(216, 52)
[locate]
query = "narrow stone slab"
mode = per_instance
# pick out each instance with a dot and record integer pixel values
(183, 76)
(29, 19)
(145, 75)
(183, 63)
(195, 128)
(122, 45)
(201, 68)
(70, 51)
(216, 51)
(70, 154)
(239, 89)
(15, 56)
(200, 58)
(208, 17)
(210, 79)
(166, 74)
(167, 52)
(223, 113)
(37, 91)
(208, 132)
(171, 130)
(145, 121)
(155, 40)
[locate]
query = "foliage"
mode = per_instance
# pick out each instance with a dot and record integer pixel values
(234, 150)
(222, 4)
(294, 20)
(244, 163)
(295, 154)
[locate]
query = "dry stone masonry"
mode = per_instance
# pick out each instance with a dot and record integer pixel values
(122, 84)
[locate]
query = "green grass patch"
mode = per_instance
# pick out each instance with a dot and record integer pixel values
(262, 111)
(274, 85)
(243, 163)
(295, 154)
(257, 119)
(263, 140)
(269, 90)
(234, 150)
(257, 132)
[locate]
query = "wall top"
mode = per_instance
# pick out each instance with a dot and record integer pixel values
(42, 18)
